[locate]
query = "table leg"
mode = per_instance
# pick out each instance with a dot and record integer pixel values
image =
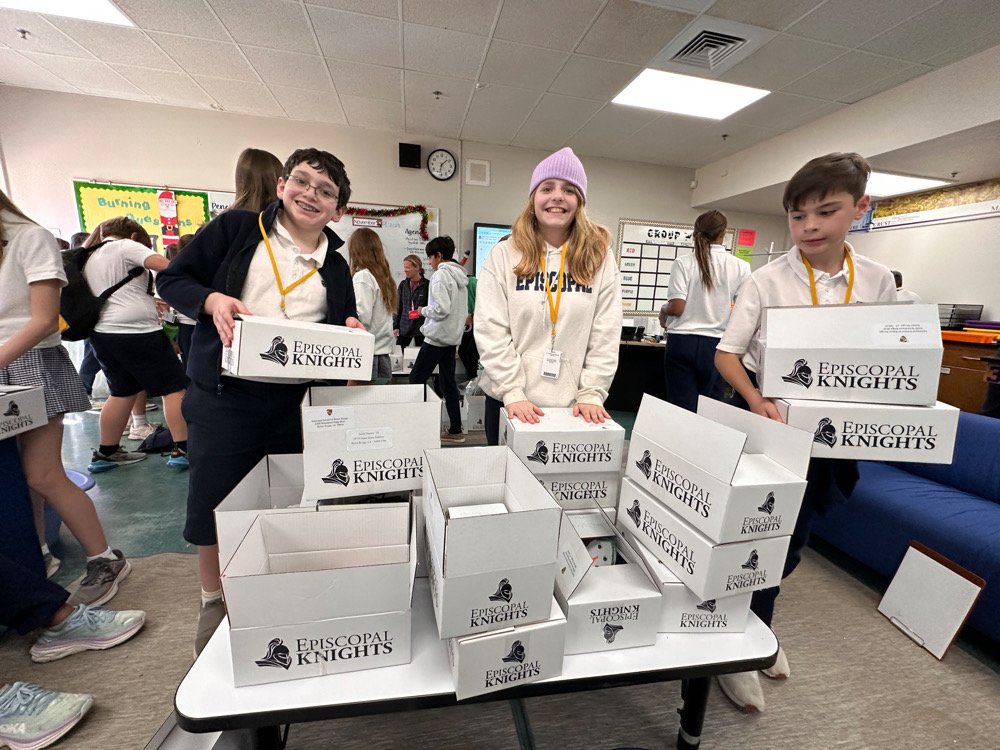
(267, 738)
(694, 693)
(525, 738)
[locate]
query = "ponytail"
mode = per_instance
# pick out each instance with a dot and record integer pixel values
(708, 227)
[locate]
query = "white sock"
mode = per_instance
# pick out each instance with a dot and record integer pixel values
(107, 555)
(207, 597)
(45, 550)
(139, 420)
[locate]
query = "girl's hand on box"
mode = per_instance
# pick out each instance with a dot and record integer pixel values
(765, 407)
(223, 310)
(591, 413)
(525, 411)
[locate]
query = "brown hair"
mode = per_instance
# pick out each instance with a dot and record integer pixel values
(257, 174)
(364, 248)
(832, 173)
(6, 204)
(707, 229)
(415, 260)
(122, 227)
(172, 250)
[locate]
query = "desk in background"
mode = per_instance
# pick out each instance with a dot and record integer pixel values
(640, 370)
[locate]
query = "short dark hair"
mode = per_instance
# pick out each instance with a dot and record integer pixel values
(833, 173)
(898, 278)
(322, 161)
(78, 238)
(443, 246)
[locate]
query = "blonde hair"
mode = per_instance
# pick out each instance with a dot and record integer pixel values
(586, 247)
(364, 248)
(415, 260)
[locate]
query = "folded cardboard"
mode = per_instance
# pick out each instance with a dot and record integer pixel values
(710, 570)
(366, 439)
(487, 572)
(560, 443)
(731, 474)
(510, 657)
(583, 491)
(22, 408)
(610, 606)
(876, 432)
(292, 349)
(882, 354)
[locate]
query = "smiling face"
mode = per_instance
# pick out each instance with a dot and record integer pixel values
(309, 199)
(555, 203)
(820, 224)
(410, 270)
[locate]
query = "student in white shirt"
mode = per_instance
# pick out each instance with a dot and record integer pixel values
(903, 295)
(375, 293)
(703, 288)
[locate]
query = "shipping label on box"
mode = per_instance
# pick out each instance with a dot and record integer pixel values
(21, 409)
(883, 354)
(731, 474)
(876, 432)
(366, 439)
(710, 570)
(583, 491)
(291, 349)
(561, 443)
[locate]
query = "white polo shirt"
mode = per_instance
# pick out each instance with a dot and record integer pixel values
(131, 309)
(30, 255)
(785, 282)
(706, 312)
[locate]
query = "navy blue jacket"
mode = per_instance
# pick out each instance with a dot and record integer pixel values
(217, 260)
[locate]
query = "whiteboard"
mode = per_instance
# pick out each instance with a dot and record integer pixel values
(400, 235)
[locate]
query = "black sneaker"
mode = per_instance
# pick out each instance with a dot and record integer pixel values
(100, 462)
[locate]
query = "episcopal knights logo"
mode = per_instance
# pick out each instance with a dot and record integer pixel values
(277, 655)
(635, 513)
(338, 474)
(610, 631)
(768, 506)
(751, 563)
(801, 374)
(505, 592)
(541, 454)
(278, 352)
(825, 433)
(645, 464)
(12, 410)
(517, 653)
(707, 606)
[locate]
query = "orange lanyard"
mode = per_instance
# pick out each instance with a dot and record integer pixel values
(812, 279)
(282, 290)
(554, 306)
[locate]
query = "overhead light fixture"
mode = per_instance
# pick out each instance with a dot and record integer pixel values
(687, 95)
(101, 11)
(883, 184)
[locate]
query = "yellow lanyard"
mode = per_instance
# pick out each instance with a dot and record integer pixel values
(554, 306)
(282, 290)
(850, 279)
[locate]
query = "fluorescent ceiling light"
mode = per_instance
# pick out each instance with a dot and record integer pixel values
(102, 11)
(883, 184)
(687, 95)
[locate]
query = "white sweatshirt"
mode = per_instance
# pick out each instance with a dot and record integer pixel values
(513, 331)
(447, 306)
(377, 318)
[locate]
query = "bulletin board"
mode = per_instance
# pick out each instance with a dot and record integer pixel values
(398, 227)
(646, 253)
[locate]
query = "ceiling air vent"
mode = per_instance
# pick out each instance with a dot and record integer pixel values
(708, 49)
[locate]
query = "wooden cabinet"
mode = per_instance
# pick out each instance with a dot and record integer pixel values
(963, 377)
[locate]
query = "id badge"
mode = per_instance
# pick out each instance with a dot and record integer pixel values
(550, 364)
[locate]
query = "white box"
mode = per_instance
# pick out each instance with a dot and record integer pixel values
(21, 409)
(710, 570)
(560, 443)
(885, 354)
(488, 572)
(510, 657)
(876, 432)
(731, 474)
(583, 491)
(366, 439)
(607, 607)
(476, 419)
(278, 348)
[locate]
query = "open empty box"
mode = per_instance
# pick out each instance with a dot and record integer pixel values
(560, 443)
(21, 409)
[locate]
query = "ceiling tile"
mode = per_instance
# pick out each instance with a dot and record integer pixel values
(946, 25)
(781, 111)
(349, 36)
(42, 35)
(165, 86)
(519, 65)
(885, 84)
(241, 96)
(454, 53)
(613, 123)
(697, 6)
(276, 24)
(116, 44)
(852, 22)
(593, 79)
(301, 104)
(496, 113)
(435, 115)
(88, 75)
(632, 32)
(687, 141)
(845, 74)
(17, 70)
(966, 49)
(771, 14)
(184, 17)
(554, 24)
(383, 8)
(554, 120)
(471, 16)
(289, 68)
(371, 81)
(376, 114)
(781, 61)
(206, 57)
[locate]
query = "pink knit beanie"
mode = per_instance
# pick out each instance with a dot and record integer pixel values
(562, 165)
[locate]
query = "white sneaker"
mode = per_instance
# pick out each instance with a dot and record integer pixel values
(743, 689)
(780, 670)
(143, 431)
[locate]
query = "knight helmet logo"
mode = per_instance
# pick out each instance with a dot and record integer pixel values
(645, 464)
(768, 506)
(751, 563)
(825, 433)
(277, 655)
(505, 592)
(903, 339)
(541, 454)
(635, 513)
(12, 410)
(801, 374)
(707, 606)
(338, 474)
(611, 630)
(278, 352)
(517, 653)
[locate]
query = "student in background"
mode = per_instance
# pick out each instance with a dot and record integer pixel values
(822, 200)
(467, 351)
(548, 308)
(411, 296)
(703, 287)
(185, 325)
(257, 175)
(375, 293)
(903, 295)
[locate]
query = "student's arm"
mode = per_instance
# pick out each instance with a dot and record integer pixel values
(43, 302)
(439, 303)
(155, 262)
(675, 307)
(601, 359)
(677, 291)
(731, 368)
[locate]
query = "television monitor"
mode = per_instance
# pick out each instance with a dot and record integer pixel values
(486, 236)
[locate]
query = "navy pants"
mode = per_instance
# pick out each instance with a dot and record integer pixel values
(491, 420)
(89, 367)
(689, 369)
(442, 357)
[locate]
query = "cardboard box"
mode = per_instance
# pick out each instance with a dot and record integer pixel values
(607, 607)
(731, 474)
(882, 354)
(876, 432)
(477, 413)
(21, 409)
(278, 348)
(584, 491)
(510, 657)
(560, 443)
(710, 570)
(488, 572)
(367, 439)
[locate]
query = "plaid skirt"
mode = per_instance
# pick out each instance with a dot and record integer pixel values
(51, 368)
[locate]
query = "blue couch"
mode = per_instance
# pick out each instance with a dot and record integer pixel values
(954, 509)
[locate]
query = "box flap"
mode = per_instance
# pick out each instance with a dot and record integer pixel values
(883, 326)
(574, 560)
(364, 395)
(285, 470)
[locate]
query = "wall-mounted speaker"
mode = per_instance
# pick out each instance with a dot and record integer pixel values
(409, 155)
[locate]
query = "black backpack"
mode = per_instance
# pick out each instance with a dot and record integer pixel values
(80, 308)
(157, 441)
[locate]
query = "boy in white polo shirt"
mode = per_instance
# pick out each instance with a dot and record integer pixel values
(822, 200)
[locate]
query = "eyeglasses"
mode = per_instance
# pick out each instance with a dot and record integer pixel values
(326, 193)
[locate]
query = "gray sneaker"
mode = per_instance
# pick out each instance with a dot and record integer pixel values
(52, 564)
(100, 462)
(87, 629)
(101, 580)
(212, 615)
(33, 717)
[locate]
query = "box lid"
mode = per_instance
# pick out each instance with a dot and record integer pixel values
(901, 326)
